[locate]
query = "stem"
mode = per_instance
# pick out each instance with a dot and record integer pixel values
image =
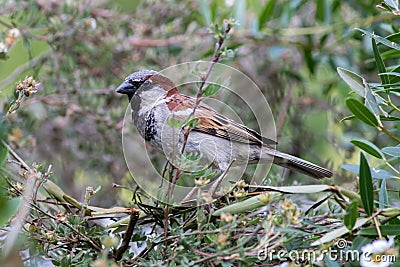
(215, 59)
(378, 230)
(383, 129)
(128, 234)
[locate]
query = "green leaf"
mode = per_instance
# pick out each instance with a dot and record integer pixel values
(193, 123)
(380, 39)
(247, 205)
(361, 112)
(211, 89)
(341, 231)
(366, 188)
(392, 151)
(265, 13)
(353, 80)
(368, 147)
(8, 208)
(371, 101)
(351, 215)
(375, 172)
(324, 11)
(379, 63)
(395, 37)
(385, 230)
(174, 122)
(3, 155)
(383, 195)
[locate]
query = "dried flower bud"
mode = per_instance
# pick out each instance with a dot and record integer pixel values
(61, 217)
(239, 193)
(201, 181)
(241, 184)
(222, 239)
(265, 197)
(226, 217)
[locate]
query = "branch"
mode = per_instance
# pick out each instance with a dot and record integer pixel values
(216, 58)
(128, 234)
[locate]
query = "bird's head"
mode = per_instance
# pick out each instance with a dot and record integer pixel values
(145, 80)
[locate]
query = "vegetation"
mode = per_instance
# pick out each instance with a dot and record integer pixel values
(329, 70)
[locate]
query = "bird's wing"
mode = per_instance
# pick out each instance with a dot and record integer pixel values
(213, 123)
(221, 126)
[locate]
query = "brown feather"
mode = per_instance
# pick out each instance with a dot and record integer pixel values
(215, 124)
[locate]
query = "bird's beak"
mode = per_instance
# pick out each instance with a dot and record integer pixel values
(125, 88)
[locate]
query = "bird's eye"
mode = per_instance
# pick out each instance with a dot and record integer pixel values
(136, 83)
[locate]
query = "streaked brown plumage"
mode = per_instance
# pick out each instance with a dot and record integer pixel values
(154, 98)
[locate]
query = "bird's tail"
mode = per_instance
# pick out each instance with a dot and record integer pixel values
(299, 165)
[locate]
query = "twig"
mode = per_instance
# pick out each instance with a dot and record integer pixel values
(87, 239)
(215, 59)
(144, 252)
(15, 155)
(383, 129)
(378, 230)
(128, 234)
(217, 182)
(5, 24)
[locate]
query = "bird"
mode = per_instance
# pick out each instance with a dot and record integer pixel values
(221, 141)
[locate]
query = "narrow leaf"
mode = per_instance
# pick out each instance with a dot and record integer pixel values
(265, 13)
(351, 215)
(383, 195)
(380, 39)
(247, 205)
(379, 63)
(361, 112)
(392, 151)
(385, 230)
(371, 100)
(341, 231)
(366, 188)
(375, 172)
(353, 80)
(368, 147)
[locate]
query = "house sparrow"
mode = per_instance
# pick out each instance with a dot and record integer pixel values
(223, 142)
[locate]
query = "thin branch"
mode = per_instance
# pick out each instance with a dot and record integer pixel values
(383, 129)
(128, 235)
(378, 230)
(5, 24)
(215, 59)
